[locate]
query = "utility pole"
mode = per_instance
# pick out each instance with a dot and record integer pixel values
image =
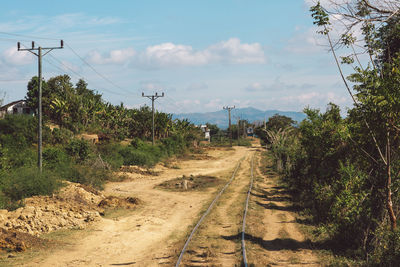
(238, 130)
(40, 55)
(228, 108)
(152, 98)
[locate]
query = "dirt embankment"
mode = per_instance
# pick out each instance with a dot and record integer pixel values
(73, 207)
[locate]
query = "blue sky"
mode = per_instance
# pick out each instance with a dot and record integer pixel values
(202, 54)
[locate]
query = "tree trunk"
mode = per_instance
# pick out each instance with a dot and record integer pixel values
(389, 202)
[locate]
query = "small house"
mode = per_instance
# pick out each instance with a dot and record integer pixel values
(206, 132)
(16, 107)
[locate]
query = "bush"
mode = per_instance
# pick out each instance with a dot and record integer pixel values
(25, 182)
(60, 136)
(133, 156)
(88, 175)
(53, 156)
(78, 149)
(110, 153)
(387, 252)
(18, 131)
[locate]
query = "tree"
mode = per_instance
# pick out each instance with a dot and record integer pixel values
(277, 122)
(376, 98)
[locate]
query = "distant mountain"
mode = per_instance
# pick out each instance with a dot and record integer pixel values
(220, 117)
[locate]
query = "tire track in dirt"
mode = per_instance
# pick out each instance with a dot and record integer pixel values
(273, 237)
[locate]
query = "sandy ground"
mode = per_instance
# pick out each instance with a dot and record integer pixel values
(272, 236)
(148, 236)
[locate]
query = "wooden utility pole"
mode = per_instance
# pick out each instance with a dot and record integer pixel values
(229, 129)
(40, 55)
(152, 98)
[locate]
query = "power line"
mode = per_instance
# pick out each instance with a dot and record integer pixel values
(28, 36)
(77, 75)
(69, 47)
(98, 73)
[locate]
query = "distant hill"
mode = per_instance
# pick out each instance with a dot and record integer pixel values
(220, 117)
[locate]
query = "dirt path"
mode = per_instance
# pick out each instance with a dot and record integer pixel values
(147, 236)
(272, 237)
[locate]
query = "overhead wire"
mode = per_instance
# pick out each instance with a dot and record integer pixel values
(73, 51)
(94, 70)
(29, 36)
(76, 74)
(85, 62)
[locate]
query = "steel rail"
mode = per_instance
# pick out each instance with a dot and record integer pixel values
(245, 212)
(205, 214)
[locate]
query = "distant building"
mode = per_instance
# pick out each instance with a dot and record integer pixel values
(206, 132)
(16, 107)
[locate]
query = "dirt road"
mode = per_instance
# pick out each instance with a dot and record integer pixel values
(148, 236)
(154, 233)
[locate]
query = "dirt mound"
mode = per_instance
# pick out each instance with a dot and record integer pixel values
(116, 202)
(16, 241)
(74, 207)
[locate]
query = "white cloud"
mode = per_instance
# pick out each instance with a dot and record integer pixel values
(68, 66)
(315, 99)
(306, 42)
(15, 57)
(278, 86)
(231, 51)
(213, 104)
(167, 54)
(119, 56)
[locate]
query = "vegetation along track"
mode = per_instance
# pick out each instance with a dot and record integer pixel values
(225, 219)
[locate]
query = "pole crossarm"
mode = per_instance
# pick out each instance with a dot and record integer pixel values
(40, 55)
(153, 98)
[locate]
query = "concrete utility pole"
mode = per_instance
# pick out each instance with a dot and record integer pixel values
(228, 108)
(152, 98)
(40, 54)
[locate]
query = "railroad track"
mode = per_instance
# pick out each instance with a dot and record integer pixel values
(210, 208)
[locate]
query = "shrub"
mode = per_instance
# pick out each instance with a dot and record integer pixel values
(110, 153)
(27, 181)
(78, 149)
(60, 136)
(137, 157)
(53, 156)
(18, 131)
(89, 175)
(387, 252)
